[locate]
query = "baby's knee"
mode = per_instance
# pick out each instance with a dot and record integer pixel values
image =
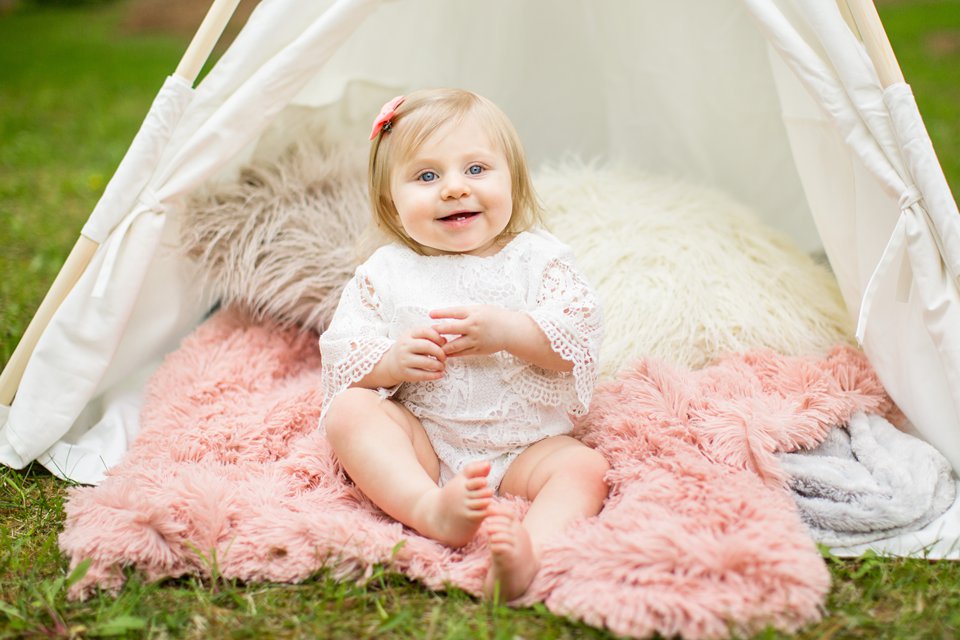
(590, 465)
(346, 410)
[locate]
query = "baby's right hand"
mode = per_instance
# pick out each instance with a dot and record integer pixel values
(417, 356)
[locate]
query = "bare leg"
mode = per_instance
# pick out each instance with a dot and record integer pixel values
(388, 455)
(564, 480)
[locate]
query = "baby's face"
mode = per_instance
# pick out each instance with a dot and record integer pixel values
(454, 193)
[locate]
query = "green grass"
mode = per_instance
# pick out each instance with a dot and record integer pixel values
(72, 94)
(33, 581)
(926, 39)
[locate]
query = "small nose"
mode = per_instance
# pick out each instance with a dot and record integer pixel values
(454, 187)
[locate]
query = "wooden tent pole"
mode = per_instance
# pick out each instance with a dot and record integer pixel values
(80, 256)
(76, 262)
(205, 39)
(867, 20)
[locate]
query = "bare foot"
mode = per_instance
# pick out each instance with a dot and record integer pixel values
(453, 513)
(514, 561)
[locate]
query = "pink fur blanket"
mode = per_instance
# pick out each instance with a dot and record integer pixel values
(698, 537)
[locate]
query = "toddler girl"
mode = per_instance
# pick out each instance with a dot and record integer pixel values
(457, 351)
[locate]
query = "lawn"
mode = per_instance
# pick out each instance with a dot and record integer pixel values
(72, 93)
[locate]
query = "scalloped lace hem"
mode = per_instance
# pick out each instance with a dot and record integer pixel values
(585, 367)
(349, 371)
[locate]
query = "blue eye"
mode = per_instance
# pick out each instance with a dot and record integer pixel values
(427, 176)
(475, 169)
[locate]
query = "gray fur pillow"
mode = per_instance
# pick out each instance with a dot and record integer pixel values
(282, 240)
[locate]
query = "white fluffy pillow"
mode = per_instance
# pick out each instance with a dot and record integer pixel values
(685, 273)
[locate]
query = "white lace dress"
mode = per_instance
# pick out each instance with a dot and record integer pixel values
(484, 407)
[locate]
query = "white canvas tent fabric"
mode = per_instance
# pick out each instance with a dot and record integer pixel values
(773, 101)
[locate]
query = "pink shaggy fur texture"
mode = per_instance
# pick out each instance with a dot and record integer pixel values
(698, 538)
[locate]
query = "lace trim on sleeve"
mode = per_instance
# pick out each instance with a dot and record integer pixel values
(355, 341)
(569, 315)
(540, 386)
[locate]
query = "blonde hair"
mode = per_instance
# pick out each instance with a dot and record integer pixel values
(420, 115)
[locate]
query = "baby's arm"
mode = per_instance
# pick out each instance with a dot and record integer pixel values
(416, 356)
(487, 329)
(357, 351)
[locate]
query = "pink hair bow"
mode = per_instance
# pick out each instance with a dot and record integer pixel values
(387, 114)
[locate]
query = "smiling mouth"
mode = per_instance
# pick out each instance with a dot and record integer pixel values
(459, 216)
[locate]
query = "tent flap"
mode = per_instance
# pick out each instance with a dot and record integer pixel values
(141, 158)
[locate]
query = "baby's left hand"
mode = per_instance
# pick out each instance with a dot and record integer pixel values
(480, 329)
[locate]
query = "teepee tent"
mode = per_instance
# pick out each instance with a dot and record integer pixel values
(795, 107)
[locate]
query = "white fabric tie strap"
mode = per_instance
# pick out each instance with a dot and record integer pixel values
(146, 203)
(910, 197)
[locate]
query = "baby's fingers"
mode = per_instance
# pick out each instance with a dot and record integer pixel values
(451, 328)
(420, 369)
(460, 346)
(430, 333)
(450, 312)
(426, 363)
(424, 347)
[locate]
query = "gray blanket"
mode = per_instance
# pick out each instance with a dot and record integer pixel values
(868, 481)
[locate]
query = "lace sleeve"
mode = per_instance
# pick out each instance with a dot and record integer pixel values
(568, 312)
(355, 341)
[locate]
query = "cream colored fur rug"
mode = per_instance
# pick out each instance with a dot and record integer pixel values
(687, 274)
